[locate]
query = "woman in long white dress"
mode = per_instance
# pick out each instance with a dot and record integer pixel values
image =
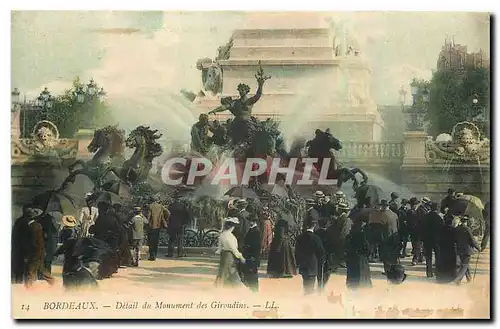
(227, 274)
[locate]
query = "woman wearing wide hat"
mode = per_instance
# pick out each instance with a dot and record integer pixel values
(227, 274)
(281, 261)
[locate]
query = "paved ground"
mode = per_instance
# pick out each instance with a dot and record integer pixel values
(188, 282)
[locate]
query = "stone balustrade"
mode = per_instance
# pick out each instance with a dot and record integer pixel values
(388, 151)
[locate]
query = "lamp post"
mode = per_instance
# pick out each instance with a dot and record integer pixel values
(478, 114)
(402, 96)
(414, 115)
(88, 96)
(15, 96)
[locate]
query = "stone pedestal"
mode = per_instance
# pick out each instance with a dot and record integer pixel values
(15, 124)
(84, 137)
(310, 87)
(414, 143)
(433, 180)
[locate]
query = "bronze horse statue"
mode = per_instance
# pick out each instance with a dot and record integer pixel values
(320, 147)
(107, 147)
(137, 167)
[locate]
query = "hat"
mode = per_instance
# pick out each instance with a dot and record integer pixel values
(88, 195)
(310, 201)
(465, 217)
(414, 201)
(33, 212)
(234, 220)
(394, 195)
(240, 202)
(396, 274)
(137, 208)
(69, 221)
(459, 194)
(319, 194)
(339, 193)
(384, 202)
(426, 200)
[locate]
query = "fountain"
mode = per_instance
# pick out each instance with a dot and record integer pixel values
(300, 51)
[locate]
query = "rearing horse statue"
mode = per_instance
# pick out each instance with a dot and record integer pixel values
(107, 146)
(137, 167)
(320, 147)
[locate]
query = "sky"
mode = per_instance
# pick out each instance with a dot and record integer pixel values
(143, 59)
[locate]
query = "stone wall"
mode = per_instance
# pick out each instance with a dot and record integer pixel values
(434, 180)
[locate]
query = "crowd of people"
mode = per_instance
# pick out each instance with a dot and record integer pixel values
(334, 235)
(103, 238)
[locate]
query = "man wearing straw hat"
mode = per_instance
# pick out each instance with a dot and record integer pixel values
(68, 230)
(137, 235)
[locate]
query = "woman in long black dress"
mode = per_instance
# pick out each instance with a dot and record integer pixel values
(281, 262)
(446, 260)
(358, 251)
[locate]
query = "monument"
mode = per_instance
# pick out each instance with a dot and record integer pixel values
(319, 76)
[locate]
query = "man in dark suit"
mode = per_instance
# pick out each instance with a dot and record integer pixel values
(50, 237)
(465, 248)
(338, 231)
(251, 253)
(243, 216)
(312, 213)
(448, 200)
(393, 204)
(403, 227)
(179, 218)
(415, 225)
(330, 263)
(431, 226)
(310, 256)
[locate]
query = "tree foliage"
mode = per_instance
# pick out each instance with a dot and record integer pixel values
(451, 95)
(68, 114)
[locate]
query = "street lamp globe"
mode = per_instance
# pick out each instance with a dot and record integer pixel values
(91, 88)
(39, 102)
(45, 95)
(425, 95)
(80, 95)
(15, 96)
(101, 95)
(50, 102)
(414, 90)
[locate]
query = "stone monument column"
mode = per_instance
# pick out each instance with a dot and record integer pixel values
(414, 142)
(15, 125)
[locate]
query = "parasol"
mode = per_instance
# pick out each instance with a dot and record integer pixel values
(468, 204)
(54, 203)
(117, 187)
(242, 192)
